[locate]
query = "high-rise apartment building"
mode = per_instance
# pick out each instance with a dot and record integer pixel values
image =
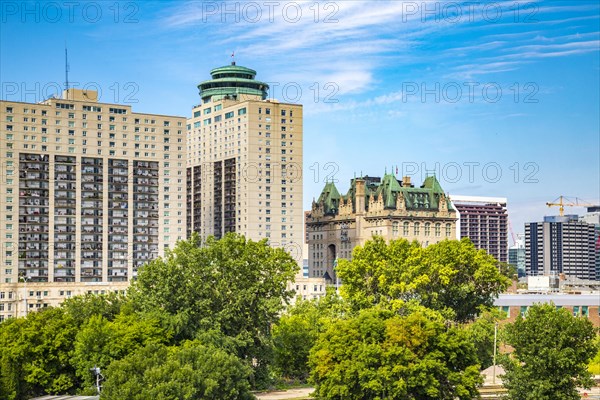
(593, 217)
(373, 206)
(561, 245)
(484, 220)
(244, 164)
(89, 192)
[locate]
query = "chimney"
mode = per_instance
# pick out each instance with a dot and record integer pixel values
(360, 196)
(406, 181)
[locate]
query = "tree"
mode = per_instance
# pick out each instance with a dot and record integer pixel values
(99, 342)
(481, 333)
(552, 349)
(191, 371)
(298, 329)
(385, 355)
(450, 276)
(34, 354)
(234, 285)
(82, 308)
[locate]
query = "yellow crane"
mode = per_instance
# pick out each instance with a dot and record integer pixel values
(561, 203)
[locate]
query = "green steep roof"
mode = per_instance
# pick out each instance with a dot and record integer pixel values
(425, 197)
(330, 198)
(390, 187)
(431, 182)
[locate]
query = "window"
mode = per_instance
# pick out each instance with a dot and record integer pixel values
(523, 311)
(427, 229)
(417, 229)
(438, 228)
(448, 230)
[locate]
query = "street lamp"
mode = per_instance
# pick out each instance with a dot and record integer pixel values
(495, 340)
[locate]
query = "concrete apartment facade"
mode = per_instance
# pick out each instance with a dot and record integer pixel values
(561, 245)
(90, 192)
(244, 166)
(484, 220)
(385, 207)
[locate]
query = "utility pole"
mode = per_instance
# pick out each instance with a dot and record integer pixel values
(495, 341)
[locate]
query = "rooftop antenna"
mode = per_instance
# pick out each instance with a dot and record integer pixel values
(233, 57)
(66, 71)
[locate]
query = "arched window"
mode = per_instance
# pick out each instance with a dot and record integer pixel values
(405, 229)
(417, 229)
(395, 226)
(448, 230)
(438, 229)
(427, 229)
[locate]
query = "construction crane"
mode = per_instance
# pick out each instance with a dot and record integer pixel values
(561, 203)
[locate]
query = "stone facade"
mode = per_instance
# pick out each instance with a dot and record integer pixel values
(385, 207)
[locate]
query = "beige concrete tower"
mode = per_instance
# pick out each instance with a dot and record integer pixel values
(244, 167)
(89, 192)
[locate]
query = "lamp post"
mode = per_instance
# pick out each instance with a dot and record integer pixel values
(337, 282)
(495, 340)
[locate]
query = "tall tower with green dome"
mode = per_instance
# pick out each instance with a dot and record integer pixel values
(232, 82)
(244, 162)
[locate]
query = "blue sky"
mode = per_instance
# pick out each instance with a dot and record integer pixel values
(499, 98)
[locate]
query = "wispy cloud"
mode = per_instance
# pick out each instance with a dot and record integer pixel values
(349, 42)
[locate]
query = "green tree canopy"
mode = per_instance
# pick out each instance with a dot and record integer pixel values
(481, 333)
(35, 354)
(187, 372)
(232, 285)
(552, 349)
(82, 308)
(448, 276)
(99, 342)
(297, 331)
(382, 355)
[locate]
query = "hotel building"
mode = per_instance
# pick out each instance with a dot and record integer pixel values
(244, 162)
(90, 191)
(387, 207)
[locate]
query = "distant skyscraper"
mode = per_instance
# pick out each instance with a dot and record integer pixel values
(516, 255)
(89, 192)
(244, 167)
(561, 245)
(484, 220)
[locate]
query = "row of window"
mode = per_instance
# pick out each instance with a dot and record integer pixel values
(112, 110)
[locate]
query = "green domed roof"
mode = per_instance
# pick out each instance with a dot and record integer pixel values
(232, 81)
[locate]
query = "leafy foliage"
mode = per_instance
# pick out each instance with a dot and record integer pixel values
(82, 308)
(383, 355)
(298, 329)
(189, 371)
(481, 334)
(450, 276)
(552, 349)
(100, 342)
(34, 358)
(232, 285)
